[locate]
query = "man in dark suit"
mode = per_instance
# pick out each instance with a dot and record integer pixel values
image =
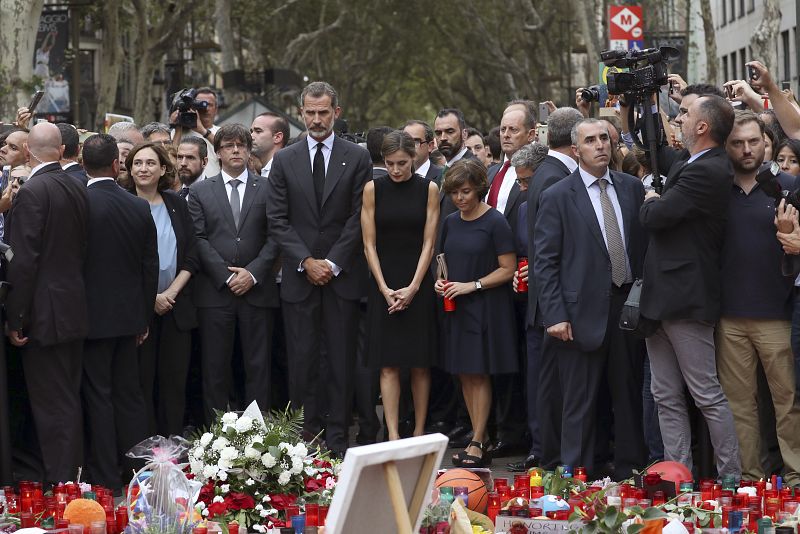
(235, 289)
(682, 280)
(69, 161)
(121, 277)
(589, 248)
(517, 128)
(557, 165)
(314, 214)
(422, 134)
(46, 309)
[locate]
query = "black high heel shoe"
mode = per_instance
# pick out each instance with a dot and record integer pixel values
(470, 461)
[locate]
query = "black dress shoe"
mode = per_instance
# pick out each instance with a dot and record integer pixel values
(504, 449)
(438, 426)
(524, 465)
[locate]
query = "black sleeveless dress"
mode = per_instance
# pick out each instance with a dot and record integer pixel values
(406, 338)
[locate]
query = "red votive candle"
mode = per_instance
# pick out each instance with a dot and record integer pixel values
(312, 515)
(323, 515)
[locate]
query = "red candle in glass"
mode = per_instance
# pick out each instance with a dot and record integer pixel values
(233, 528)
(312, 515)
(62, 523)
(754, 516)
(522, 286)
(111, 526)
(580, 472)
(291, 511)
(689, 526)
(658, 498)
(200, 530)
(537, 492)
(122, 517)
(504, 492)
(12, 503)
(754, 503)
(523, 482)
(772, 504)
(726, 510)
(500, 482)
(26, 519)
(37, 491)
(494, 506)
(38, 506)
(323, 515)
(716, 491)
(562, 515)
(534, 511)
(761, 485)
(706, 490)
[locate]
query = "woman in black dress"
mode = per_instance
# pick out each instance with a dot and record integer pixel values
(479, 335)
(398, 222)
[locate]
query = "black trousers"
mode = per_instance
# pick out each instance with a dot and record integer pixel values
(163, 369)
(508, 390)
(323, 317)
(116, 414)
(218, 327)
(575, 378)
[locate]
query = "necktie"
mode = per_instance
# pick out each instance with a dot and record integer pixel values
(616, 249)
(319, 174)
(494, 190)
(184, 192)
(236, 208)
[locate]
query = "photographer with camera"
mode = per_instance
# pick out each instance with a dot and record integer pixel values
(681, 280)
(756, 310)
(193, 112)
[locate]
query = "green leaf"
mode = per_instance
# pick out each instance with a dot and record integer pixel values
(635, 528)
(610, 519)
(653, 513)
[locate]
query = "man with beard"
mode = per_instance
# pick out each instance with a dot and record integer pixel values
(192, 160)
(682, 287)
(756, 310)
(314, 212)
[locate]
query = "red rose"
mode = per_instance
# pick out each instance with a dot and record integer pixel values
(217, 509)
(282, 500)
(206, 493)
(322, 464)
(239, 501)
(312, 484)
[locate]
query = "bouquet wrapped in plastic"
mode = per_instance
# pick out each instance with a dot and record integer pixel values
(160, 498)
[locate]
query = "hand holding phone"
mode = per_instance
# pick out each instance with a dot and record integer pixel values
(35, 102)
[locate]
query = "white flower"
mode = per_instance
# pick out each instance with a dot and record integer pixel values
(196, 467)
(272, 511)
(268, 460)
(297, 466)
(228, 453)
(250, 452)
(285, 446)
(284, 478)
(259, 507)
(198, 452)
(243, 424)
(218, 498)
(210, 471)
(224, 464)
(263, 513)
(266, 498)
(225, 488)
(250, 482)
(222, 475)
(206, 438)
(257, 439)
(300, 450)
(205, 511)
(220, 443)
(310, 471)
(200, 505)
(229, 418)
(259, 528)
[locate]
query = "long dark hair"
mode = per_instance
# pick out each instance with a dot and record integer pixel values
(166, 181)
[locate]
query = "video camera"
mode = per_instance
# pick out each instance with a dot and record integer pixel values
(186, 104)
(767, 178)
(647, 69)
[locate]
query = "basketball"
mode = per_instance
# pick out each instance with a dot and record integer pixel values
(462, 478)
(672, 471)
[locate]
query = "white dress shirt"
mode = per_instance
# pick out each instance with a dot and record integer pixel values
(266, 168)
(593, 188)
(457, 157)
(566, 160)
(70, 164)
(98, 179)
(423, 169)
(229, 188)
(39, 166)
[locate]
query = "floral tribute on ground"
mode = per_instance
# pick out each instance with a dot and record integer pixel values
(255, 472)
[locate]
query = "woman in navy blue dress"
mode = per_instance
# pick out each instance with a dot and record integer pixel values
(479, 335)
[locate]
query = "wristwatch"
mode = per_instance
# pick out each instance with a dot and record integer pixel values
(208, 132)
(478, 285)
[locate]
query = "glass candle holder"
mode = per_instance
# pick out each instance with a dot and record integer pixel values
(312, 515)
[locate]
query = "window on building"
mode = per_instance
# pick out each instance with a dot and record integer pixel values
(787, 65)
(725, 68)
(741, 8)
(751, 6)
(733, 66)
(742, 60)
(724, 17)
(732, 14)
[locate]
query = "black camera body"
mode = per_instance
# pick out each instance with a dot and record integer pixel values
(647, 69)
(767, 178)
(186, 104)
(591, 94)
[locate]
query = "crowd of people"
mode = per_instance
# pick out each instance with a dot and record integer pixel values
(473, 283)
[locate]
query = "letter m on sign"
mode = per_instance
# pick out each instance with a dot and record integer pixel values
(625, 22)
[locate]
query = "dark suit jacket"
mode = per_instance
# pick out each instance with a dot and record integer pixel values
(571, 266)
(47, 229)
(121, 270)
(686, 226)
(549, 171)
(515, 199)
(434, 172)
(184, 310)
(221, 245)
(76, 171)
(331, 232)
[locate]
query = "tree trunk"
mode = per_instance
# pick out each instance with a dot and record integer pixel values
(587, 28)
(222, 15)
(762, 42)
(711, 42)
(145, 70)
(110, 60)
(19, 24)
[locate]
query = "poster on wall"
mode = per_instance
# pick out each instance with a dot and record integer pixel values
(50, 64)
